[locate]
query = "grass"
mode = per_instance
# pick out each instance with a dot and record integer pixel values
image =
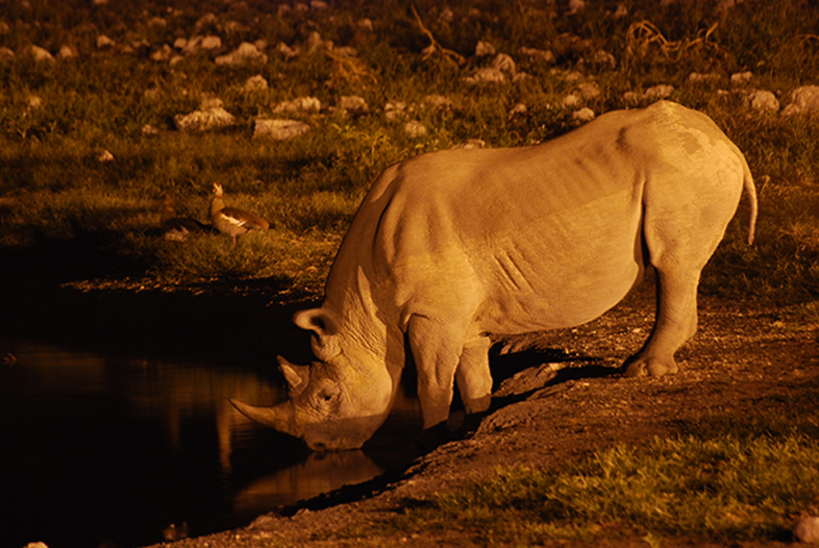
(728, 478)
(56, 118)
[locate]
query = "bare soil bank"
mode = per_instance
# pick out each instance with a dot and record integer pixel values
(742, 358)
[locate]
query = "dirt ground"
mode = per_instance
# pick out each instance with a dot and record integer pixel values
(571, 401)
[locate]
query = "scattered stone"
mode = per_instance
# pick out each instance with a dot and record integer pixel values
(570, 101)
(484, 49)
(545, 56)
(576, 6)
(504, 63)
(41, 54)
(763, 100)
(602, 57)
(209, 20)
(315, 43)
(34, 102)
(588, 90)
(804, 100)
(6, 54)
(741, 78)
(365, 24)
(583, 115)
(709, 77)
(149, 130)
(105, 156)
(447, 16)
(67, 52)
(256, 83)
(353, 104)
(807, 530)
(621, 11)
(660, 91)
(319, 5)
(286, 50)
(4, 28)
(180, 43)
(471, 144)
(518, 109)
(157, 22)
(162, 54)
(103, 42)
(280, 130)
(415, 129)
(438, 102)
(211, 115)
(245, 53)
(310, 105)
(395, 111)
(490, 75)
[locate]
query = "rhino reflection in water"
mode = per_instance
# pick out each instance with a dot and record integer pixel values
(451, 247)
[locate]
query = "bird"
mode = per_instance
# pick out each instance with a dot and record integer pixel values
(231, 220)
(177, 228)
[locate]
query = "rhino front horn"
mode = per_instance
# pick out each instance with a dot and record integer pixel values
(280, 417)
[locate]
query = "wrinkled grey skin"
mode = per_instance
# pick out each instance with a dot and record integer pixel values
(451, 247)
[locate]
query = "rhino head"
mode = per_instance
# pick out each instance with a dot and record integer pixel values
(337, 402)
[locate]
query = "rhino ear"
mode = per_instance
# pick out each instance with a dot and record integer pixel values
(297, 376)
(319, 320)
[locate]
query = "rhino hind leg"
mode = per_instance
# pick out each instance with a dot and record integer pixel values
(676, 322)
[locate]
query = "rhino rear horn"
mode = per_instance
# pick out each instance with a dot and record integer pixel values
(297, 376)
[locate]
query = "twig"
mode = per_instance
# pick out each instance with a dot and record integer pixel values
(448, 54)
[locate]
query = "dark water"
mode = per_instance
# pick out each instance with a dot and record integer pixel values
(112, 445)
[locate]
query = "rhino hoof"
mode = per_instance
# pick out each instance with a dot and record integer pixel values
(650, 367)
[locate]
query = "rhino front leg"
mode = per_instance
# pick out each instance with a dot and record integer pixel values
(474, 377)
(676, 322)
(436, 357)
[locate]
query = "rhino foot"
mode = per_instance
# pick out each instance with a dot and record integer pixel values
(650, 367)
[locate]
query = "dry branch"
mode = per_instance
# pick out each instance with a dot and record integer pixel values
(434, 46)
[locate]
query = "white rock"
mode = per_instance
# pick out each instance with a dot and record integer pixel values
(807, 530)
(206, 119)
(286, 50)
(763, 100)
(544, 55)
(211, 41)
(504, 63)
(570, 101)
(319, 5)
(310, 105)
(105, 156)
(602, 57)
(4, 28)
(576, 6)
(149, 130)
(279, 130)
(484, 48)
(621, 11)
(353, 104)
(697, 77)
(414, 129)
(471, 144)
(805, 99)
(34, 102)
(437, 101)
(740, 78)
(366, 24)
(207, 20)
(518, 109)
(103, 42)
(256, 83)
(491, 75)
(6, 54)
(660, 91)
(41, 54)
(583, 115)
(245, 53)
(180, 43)
(66, 52)
(395, 110)
(588, 90)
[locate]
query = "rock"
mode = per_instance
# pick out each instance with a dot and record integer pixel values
(6, 54)
(395, 111)
(484, 48)
(763, 100)
(741, 78)
(471, 144)
(256, 83)
(67, 52)
(660, 91)
(211, 42)
(149, 131)
(543, 55)
(570, 101)
(353, 104)
(105, 156)
(518, 109)
(602, 57)
(211, 116)
(437, 102)
(583, 115)
(504, 63)
(415, 129)
(804, 100)
(310, 105)
(103, 42)
(286, 50)
(245, 53)
(697, 77)
(576, 6)
(280, 130)
(41, 54)
(162, 54)
(366, 24)
(807, 530)
(490, 75)
(588, 90)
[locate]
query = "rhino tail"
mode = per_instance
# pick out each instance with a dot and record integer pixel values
(750, 190)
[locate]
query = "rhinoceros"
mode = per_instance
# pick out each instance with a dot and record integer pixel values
(452, 247)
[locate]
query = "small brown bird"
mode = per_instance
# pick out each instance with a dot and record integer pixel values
(231, 220)
(177, 228)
